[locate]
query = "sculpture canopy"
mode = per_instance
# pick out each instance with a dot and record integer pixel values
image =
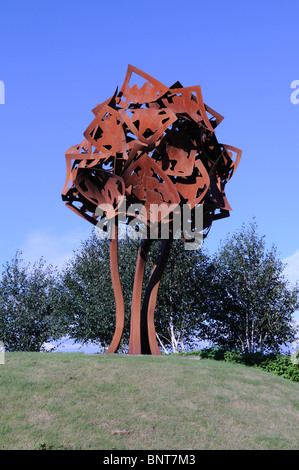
(148, 144)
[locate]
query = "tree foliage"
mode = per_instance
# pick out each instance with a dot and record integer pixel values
(252, 305)
(237, 299)
(87, 301)
(27, 303)
(183, 294)
(87, 298)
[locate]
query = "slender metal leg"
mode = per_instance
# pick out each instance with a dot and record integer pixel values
(135, 328)
(149, 343)
(118, 294)
(142, 329)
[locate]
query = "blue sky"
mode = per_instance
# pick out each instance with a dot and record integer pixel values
(59, 59)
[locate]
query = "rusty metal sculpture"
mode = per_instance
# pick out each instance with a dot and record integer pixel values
(151, 145)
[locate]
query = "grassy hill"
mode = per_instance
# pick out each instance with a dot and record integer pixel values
(77, 401)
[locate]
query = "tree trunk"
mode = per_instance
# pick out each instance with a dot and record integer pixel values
(174, 342)
(161, 344)
(247, 332)
(252, 337)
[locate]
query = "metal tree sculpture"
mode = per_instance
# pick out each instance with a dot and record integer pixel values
(154, 146)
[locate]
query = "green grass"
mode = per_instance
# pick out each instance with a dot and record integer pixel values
(76, 401)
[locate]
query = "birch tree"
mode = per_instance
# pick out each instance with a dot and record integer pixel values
(184, 291)
(87, 300)
(252, 306)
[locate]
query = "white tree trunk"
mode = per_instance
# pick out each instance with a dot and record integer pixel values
(174, 341)
(161, 344)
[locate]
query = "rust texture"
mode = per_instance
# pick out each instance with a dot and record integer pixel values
(148, 144)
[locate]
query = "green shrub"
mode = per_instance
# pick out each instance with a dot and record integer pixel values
(212, 353)
(279, 364)
(283, 366)
(234, 356)
(248, 359)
